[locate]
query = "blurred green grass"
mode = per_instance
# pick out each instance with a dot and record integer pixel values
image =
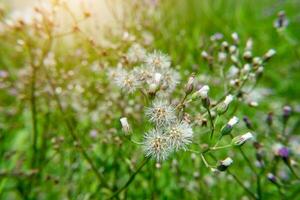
(183, 26)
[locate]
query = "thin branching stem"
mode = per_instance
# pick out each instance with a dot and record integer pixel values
(131, 178)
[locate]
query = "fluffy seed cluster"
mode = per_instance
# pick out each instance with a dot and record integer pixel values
(160, 143)
(153, 75)
(143, 70)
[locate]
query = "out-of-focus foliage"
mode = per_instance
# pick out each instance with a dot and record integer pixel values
(170, 101)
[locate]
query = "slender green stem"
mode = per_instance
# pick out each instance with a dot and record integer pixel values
(131, 178)
(211, 123)
(251, 194)
(34, 115)
(248, 161)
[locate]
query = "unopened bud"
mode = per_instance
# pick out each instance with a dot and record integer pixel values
(249, 44)
(269, 55)
(224, 164)
(125, 125)
(269, 119)
(235, 38)
(241, 139)
(287, 111)
(271, 177)
(247, 122)
(202, 92)
(247, 56)
(229, 126)
(190, 84)
(223, 107)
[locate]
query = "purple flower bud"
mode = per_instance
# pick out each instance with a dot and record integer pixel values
(247, 122)
(269, 119)
(287, 111)
(272, 178)
(283, 152)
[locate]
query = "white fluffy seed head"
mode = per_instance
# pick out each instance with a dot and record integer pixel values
(136, 53)
(125, 80)
(158, 60)
(228, 99)
(156, 145)
(233, 121)
(179, 135)
(161, 113)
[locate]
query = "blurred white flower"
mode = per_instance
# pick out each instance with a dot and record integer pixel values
(125, 80)
(158, 60)
(136, 53)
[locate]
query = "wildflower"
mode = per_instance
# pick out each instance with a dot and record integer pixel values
(125, 125)
(156, 145)
(287, 111)
(235, 38)
(223, 107)
(241, 139)
(136, 53)
(249, 44)
(281, 22)
(170, 79)
(247, 122)
(190, 84)
(158, 60)
(126, 80)
(247, 56)
(179, 135)
(269, 119)
(155, 82)
(204, 55)
(203, 91)
(271, 177)
(269, 54)
(161, 113)
(229, 126)
(224, 164)
(222, 56)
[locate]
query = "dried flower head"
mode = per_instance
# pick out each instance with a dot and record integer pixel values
(156, 145)
(179, 135)
(161, 113)
(158, 60)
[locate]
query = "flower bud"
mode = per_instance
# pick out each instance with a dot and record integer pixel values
(287, 111)
(223, 107)
(269, 55)
(222, 57)
(125, 125)
(247, 122)
(203, 92)
(190, 84)
(229, 126)
(235, 38)
(247, 56)
(225, 46)
(224, 164)
(241, 139)
(269, 119)
(271, 177)
(249, 44)
(204, 55)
